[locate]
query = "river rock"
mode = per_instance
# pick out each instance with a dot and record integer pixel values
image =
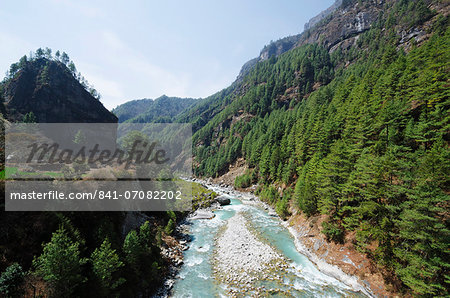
(203, 214)
(223, 200)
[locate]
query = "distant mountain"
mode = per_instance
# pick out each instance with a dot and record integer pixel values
(52, 92)
(162, 109)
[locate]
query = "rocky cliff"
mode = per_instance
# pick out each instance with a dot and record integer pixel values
(50, 90)
(322, 15)
(340, 26)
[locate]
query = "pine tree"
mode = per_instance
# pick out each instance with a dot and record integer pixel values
(60, 264)
(105, 265)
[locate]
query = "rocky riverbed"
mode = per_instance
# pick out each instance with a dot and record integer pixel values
(245, 251)
(241, 258)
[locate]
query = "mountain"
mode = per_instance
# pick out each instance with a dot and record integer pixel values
(52, 92)
(347, 123)
(162, 109)
(338, 29)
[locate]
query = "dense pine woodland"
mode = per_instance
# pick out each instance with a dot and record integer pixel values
(359, 136)
(365, 142)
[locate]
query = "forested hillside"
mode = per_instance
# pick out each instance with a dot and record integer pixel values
(75, 254)
(347, 121)
(48, 88)
(359, 134)
(161, 110)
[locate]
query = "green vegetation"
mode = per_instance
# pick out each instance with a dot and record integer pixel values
(109, 270)
(359, 136)
(364, 144)
(11, 281)
(60, 264)
(143, 261)
(105, 266)
(163, 109)
(29, 118)
(246, 179)
(87, 254)
(45, 55)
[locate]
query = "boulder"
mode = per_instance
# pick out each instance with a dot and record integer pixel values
(223, 200)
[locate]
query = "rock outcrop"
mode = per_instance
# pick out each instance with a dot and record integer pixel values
(223, 200)
(322, 15)
(339, 27)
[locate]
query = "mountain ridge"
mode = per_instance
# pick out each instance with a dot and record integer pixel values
(48, 89)
(161, 109)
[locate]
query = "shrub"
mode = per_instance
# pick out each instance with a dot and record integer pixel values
(333, 232)
(170, 227)
(245, 180)
(282, 208)
(11, 281)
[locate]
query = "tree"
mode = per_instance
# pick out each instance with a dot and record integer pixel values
(105, 265)
(11, 281)
(133, 138)
(13, 69)
(39, 53)
(57, 55)
(169, 227)
(44, 77)
(133, 250)
(29, 118)
(142, 258)
(79, 138)
(72, 68)
(332, 178)
(60, 264)
(48, 53)
(23, 62)
(65, 58)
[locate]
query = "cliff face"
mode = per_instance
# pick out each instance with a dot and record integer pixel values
(340, 26)
(322, 15)
(343, 24)
(49, 90)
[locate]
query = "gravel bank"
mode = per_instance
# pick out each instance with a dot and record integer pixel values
(242, 258)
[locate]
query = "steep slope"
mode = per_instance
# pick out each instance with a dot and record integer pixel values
(132, 108)
(162, 109)
(350, 125)
(49, 90)
(338, 29)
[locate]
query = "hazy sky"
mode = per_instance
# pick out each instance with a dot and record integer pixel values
(143, 49)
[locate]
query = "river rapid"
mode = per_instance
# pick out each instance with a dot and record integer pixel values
(246, 251)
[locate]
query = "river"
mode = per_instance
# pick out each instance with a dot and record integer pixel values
(299, 278)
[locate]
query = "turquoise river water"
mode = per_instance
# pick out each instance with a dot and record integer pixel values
(301, 279)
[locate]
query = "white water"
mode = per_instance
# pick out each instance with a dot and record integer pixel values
(302, 279)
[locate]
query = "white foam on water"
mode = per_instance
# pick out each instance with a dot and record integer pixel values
(203, 276)
(331, 272)
(203, 248)
(194, 260)
(298, 286)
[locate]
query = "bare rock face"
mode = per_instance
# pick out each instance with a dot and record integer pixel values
(322, 15)
(49, 90)
(330, 27)
(343, 24)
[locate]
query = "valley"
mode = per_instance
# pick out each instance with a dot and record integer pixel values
(331, 146)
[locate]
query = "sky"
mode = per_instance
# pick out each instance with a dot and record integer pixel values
(144, 48)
